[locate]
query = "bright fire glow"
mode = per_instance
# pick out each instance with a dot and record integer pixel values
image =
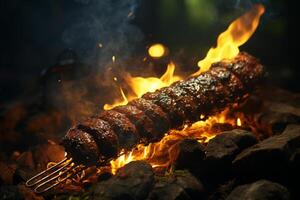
(162, 153)
(238, 122)
(140, 85)
(157, 50)
(124, 101)
(238, 32)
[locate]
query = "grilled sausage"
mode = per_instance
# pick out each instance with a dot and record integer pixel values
(147, 119)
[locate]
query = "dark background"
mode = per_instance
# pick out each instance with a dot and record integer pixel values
(33, 33)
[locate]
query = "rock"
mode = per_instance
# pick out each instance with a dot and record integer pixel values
(221, 127)
(275, 122)
(227, 144)
(269, 157)
(221, 150)
(280, 96)
(33, 161)
(10, 193)
(295, 159)
(294, 174)
(133, 181)
(179, 185)
(28, 194)
(26, 160)
(260, 190)
(279, 109)
(10, 118)
(6, 173)
(190, 155)
(45, 153)
(19, 192)
(223, 190)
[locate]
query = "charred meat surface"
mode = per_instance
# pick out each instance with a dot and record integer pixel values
(123, 127)
(81, 146)
(156, 114)
(142, 122)
(103, 135)
(147, 119)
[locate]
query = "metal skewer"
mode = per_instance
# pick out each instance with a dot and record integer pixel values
(53, 176)
(57, 174)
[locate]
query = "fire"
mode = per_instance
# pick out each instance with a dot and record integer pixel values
(140, 85)
(238, 32)
(124, 101)
(162, 153)
(238, 122)
(157, 50)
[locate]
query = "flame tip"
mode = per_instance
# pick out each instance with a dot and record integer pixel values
(228, 42)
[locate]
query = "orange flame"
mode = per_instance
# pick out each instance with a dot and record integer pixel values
(124, 101)
(161, 154)
(140, 85)
(238, 32)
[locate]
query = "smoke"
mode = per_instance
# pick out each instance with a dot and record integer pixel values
(102, 29)
(244, 5)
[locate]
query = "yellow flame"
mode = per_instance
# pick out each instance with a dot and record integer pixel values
(141, 85)
(162, 153)
(238, 122)
(157, 50)
(238, 32)
(124, 101)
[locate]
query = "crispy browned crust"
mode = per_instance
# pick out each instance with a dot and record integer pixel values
(147, 119)
(103, 135)
(159, 118)
(142, 122)
(126, 131)
(81, 147)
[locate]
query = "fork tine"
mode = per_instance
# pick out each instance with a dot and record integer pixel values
(48, 172)
(60, 180)
(39, 188)
(45, 178)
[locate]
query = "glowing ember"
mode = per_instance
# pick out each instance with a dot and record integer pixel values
(157, 50)
(238, 122)
(238, 32)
